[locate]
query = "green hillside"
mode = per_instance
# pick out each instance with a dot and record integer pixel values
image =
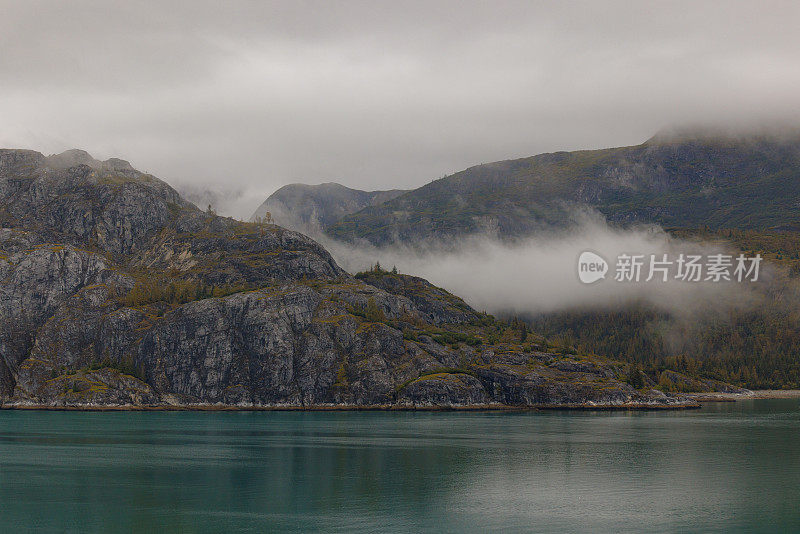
(679, 181)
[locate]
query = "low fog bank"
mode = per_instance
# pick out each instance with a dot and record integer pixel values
(540, 274)
(239, 203)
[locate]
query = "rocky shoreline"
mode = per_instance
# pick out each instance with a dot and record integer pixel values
(687, 405)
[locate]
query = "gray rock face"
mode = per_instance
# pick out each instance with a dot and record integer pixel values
(437, 305)
(288, 345)
(114, 210)
(441, 389)
(33, 284)
(115, 291)
(224, 251)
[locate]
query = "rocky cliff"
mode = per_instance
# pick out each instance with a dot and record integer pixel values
(114, 291)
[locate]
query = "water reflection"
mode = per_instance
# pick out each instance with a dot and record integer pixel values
(724, 468)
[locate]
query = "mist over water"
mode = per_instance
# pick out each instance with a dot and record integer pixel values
(540, 274)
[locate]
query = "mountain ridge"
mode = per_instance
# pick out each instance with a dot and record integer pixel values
(675, 181)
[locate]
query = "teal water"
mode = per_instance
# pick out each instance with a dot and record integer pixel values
(725, 468)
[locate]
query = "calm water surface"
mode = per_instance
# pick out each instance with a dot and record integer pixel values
(725, 468)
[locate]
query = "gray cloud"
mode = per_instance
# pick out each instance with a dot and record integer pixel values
(377, 95)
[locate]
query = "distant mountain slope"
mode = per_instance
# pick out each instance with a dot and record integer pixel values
(687, 179)
(311, 208)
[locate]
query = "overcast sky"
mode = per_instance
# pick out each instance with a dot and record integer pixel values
(253, 95)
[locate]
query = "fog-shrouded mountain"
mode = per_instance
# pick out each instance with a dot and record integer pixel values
(688, 178)
(115, 291)
(312, 208)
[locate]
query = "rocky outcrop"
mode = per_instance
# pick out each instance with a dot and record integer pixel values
(442, 389)
(114, 292)
(434, 303)
(35, 280)
(116, 211)
(218, 250)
